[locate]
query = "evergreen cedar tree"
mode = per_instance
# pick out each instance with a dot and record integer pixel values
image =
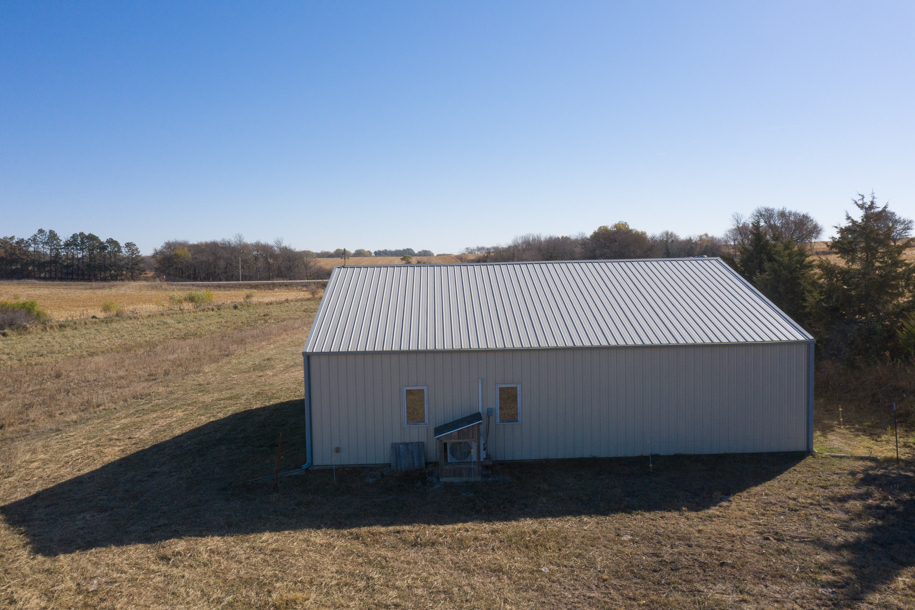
(859, 310)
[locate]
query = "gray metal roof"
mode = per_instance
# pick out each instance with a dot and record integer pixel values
(397, 308)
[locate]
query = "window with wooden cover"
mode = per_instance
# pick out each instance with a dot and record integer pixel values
(415, 406)
(508, 397)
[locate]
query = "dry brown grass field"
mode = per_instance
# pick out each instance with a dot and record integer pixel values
(74, 300)
(127, 446)
(821, 250)
(330, 263)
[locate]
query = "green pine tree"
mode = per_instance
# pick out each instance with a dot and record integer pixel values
(866, 298)
(788, 281)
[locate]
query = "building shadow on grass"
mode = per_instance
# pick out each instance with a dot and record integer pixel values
(197, 484)
(881, 540)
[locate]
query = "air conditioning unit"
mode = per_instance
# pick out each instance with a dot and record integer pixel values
(460, 452)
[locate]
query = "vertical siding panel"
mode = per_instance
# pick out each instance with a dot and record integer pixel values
(547, 401)
(756, 398)
(448, 403)
(732, 400)
(681, 391)
(551, 384)
(769, 391)
(460, 381)
(573, 408)
(512, 374)
(521, 363)
(655, 382)
(334, 405)
(614, 404)
(748, 431)
(798, 398)
(583, 361)
(379, 427)
(601, 376)
(492, 375)
(627, 422)
(695, 406)
(349, 425)
(371, 412)
(634, 417)
(391, 392)
(677, 393)
(360, 412)
(741, 379)
(338, 406)
(330, 402)
(565, 399)
(667, 398)
(317, 404)
(641, 400)
(618, 362)
(697, 403)
(715, 393)
(786, 371)
(665, 407)
(320, 424)
(530, 365)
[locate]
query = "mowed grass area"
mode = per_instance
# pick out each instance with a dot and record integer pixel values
(141, 499)
(79, 300)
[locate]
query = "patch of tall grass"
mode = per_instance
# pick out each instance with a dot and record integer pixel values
(19, 314)
(111, 307)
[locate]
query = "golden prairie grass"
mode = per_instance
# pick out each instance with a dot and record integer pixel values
(75, 300)
(68, 387)
(820, 250)
(83, 338)
(144, 502)
(330, 263)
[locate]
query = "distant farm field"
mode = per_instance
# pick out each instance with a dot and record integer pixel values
(330, 263)
(127, 446)
(75, 300)
(821, 250)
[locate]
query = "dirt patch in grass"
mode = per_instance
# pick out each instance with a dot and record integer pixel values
(147, 503)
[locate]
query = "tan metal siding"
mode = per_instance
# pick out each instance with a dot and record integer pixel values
(574, 402)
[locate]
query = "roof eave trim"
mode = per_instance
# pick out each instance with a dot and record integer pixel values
(563, 347)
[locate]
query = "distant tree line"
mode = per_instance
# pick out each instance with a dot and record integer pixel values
(360, 252)
(80, 257)
(618, 241)
(234, 260)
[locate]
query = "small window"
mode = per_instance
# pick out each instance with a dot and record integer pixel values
(508, 398)
(415, 407)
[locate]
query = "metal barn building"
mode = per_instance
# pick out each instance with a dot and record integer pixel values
(562, 360)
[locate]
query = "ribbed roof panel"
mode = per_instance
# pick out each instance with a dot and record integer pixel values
(400, 308)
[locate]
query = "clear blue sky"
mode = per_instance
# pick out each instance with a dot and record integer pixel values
(442, 125)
